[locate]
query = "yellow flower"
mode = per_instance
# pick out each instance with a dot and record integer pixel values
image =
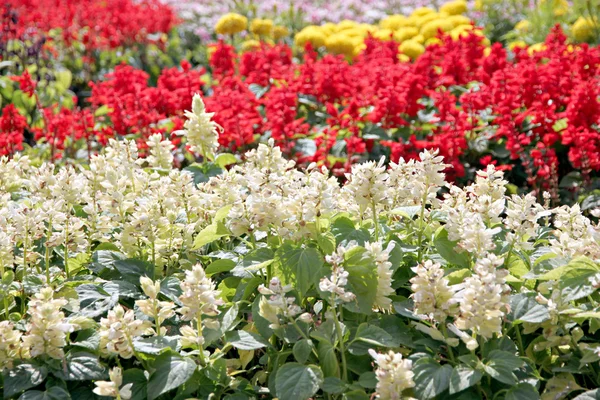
(279, 32)
(456, 7)
(412, 48)
(231, 23)
(393, 22)
(355, 32)
(346, 24)
(261, 27)
(405, 33)
(384, 34)
(358, 49)
(431, 28)
(487, 51)
(419, 38)
(583, 29)
(250, 45)
(457, 32)
(329, 28)
(421, 21)
(535, 48)
(458, 20)
(312, 35)
(523, 26)
(433, 40)
(517, 43)
(340, 44)
(421, 11)
(479, 5)
(403, 58)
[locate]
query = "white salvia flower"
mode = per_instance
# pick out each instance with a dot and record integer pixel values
(118, 330)
(47, 328)
(486, 195)
(367, 185)
(469, 341)
(277, 304)
(113, 387)
(152, 307)
(484, 298)
(336, 284)
(161, 152)
(432, 295)
(191, 338)
(201, 132)
(384, 274)
(10, 344)
(199, 295)
(7, 257)
(574, 235)
(522, 214)
(394, 375)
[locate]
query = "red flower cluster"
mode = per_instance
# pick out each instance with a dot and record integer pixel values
(535, 105)
(96, 23)
(12, 127)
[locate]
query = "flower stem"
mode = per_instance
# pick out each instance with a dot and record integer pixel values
(338, 330)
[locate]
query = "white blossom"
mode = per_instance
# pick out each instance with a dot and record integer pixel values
(114, 388)
(201, 132)
(394, 374)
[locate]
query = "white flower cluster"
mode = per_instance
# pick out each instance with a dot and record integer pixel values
(276, 306)
(153, 307)
(384, 274)
(394, 375)
(119, 329)
(432, 295)
(114, 387)
(201, 132)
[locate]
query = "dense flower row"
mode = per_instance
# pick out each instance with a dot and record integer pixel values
(265, 280)
(97, 24)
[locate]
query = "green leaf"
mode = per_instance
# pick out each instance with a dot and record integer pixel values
(102, 110)
(362, 278)
(560, 124)
(64, 77)
(556, 273)
(463, 378)
(225, 159)
(81, 366)
(137, 377)
(302, 349)
(245, 340)
(95, 301)
(446, 248)
(459, 276)
(333, 385)
(171, 371)
(367, 336)
(203, 172)
(344, 231)
(589, 395)
(221, 265)
(155, 344)
(297, 381)
(501, 364)
(53, 393)
(368, 380)
(326, 242)
(575, 282)
(431, 379)
(171, 288)
(328, 359)
(131, 269)
(22, 377)
(304, 263)
(524, 308)
(209, 234)
(522, 391)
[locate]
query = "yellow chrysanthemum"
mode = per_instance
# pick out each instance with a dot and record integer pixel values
(384, 34)
(405, 33)
(458, 20)
(583, 29)
(231, 23)
(487, 51)
(523, 26)
(329, 28)
(412, 48)
(355, 32)
(341, 44)
(421, 11)
(433, 40)
(312, 35)
(394, 22)
(403, 58)
(535, 48)
(459, 30)
(422, 21)
(346, 24)
(419, 38)
(279, 32)
(359, 49)
(250, 45)
(517, 43)
(431, 28)
(456, 7)
(261, 27)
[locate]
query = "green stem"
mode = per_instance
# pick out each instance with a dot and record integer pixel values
(301, 332)
(67, 249)
(450, 352)
(421, 218)
(374, 208)
(338, 331)
(201, 348)
(520, 341)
